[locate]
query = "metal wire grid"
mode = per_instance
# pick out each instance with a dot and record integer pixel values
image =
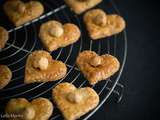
(17, 50)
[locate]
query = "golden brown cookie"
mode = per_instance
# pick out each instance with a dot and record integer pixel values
(55, 35)
(101, 25)
(22, 109)
(5, 76)
(40, 67)
(79, 6)
(20, 12)
(4, 36)
(96, 68)
(74, 102)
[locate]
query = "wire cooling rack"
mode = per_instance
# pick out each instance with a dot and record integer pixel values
(24, 39)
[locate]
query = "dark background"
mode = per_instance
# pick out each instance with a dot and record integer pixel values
(141, 76)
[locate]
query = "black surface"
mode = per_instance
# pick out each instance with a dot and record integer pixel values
(141, 76)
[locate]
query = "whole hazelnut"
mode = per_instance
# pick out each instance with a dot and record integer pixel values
(82, 0)
(41, 63)
(21, 7)
(74, 97)
(96, 61)
(56, 31)
(100, 19)
(28, 113)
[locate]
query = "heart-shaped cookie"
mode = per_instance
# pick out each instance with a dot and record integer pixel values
(5, 76)
(74, 102)
(55, 35)
(20, 12)
(22, 109)
(80, 6)
(40, 67)
(96, 68)
(101, 25)
(4, 36)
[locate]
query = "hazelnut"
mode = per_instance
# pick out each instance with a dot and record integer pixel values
(100, 19)
(20, 107)
(82, 0)
(96, 61)
(28, 113)
(21, 8)
(56, 31)
(74, 97)
(41, 63)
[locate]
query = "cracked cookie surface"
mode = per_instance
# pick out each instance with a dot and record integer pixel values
(54, 35)
(20, 12)
(96, 68)
(40, 67)
(74, 102)
(37, 109)
(80, 6)
(100, 24)
(4, 36)
(5, 76)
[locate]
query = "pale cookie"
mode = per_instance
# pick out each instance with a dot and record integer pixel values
(101, 25)
(74, 102)
(96, 68)
(40, 67)
(4, 36)
(80, 6)
(22, 109)
(20, 13)
(55, 35)
(5, 76)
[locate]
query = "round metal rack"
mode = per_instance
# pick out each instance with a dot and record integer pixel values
(24, 39)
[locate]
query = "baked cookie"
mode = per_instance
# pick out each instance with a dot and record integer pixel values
(79, 6)
(74, 102)
(101, 25)
(20, 12)
(55, 35)
(40, 67)
(5, 76)
(4, 36)
(22, 109)
(96, 68)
